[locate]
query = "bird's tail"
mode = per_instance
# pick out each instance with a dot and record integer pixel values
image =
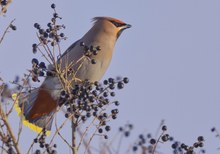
(36, 109)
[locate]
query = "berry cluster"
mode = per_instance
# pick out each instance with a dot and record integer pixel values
(51, 34)
(9, 144)
(181, 148)
(141, 143)
(164, 137)
(90, 51)
(88, 100)
(126, 130)
(42, 143)
(39, 70)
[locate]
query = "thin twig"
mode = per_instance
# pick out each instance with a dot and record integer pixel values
(74, 125)
(84, 133)
(84, 142)
(6, 30)
(155, 145)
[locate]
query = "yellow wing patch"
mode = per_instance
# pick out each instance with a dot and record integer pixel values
(25, 121)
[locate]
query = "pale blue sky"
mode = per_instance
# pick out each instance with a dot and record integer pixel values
(171, 55)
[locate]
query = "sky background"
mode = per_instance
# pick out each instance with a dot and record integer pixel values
(171, 56)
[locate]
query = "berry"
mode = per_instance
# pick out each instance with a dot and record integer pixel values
(45, 34)
(149, 135)
(105, 94)
(135, 148)
(34, 45)
(114, 117)
(115, 111)
(13, 27)
(106, 136)
(213, 129)
(111, 80)
(120, 129)
(36, 25)
(55, 15)
(67, 115)
(3, 2)
(35, 140)
(35, 61)
(54, 152)
(42, 145)
(183, 146)
(130, 126)
(120, 85)
(112, 86)
(42, 65)
(152, 141)
(117, 103)
(141, 136)
(105, 115)
(93, 61)
(171, 138)
(127, 133)
(49, 25)
(174, 145)
(112, 94)
(196, 145)
(100, 130)
(53, 6)
(94, 114)
(125, 80)
(63, 93)
(83, 118)
(105, 82)
(200, 138)
(201, 144)
(107, 128)
(37, 152)
(95, 52)
(164, 128)
(88, 114)
(98, 48)
(41, 73)
(41, 31)
(165, 137)
(62, 35)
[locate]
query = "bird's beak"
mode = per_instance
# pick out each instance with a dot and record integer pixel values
(127, 26)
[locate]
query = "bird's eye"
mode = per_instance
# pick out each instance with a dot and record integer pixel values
(118, 24)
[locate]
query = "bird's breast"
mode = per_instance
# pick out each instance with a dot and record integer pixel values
(93, 72)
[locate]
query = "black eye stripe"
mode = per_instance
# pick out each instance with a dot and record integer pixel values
(118, 24)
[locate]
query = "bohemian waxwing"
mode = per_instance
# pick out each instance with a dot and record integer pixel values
(39, 106)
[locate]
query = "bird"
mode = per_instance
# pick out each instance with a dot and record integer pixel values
(37, 108)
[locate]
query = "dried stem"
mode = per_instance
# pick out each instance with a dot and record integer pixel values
(6, 30)
(74, 125)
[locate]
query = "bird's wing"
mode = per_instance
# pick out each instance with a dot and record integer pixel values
(69, 49)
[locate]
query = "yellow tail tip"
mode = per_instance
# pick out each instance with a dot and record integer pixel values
(25, 121)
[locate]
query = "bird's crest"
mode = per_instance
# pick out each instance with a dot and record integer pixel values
(95, 19)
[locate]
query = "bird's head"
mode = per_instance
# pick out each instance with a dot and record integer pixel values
(110, 25)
